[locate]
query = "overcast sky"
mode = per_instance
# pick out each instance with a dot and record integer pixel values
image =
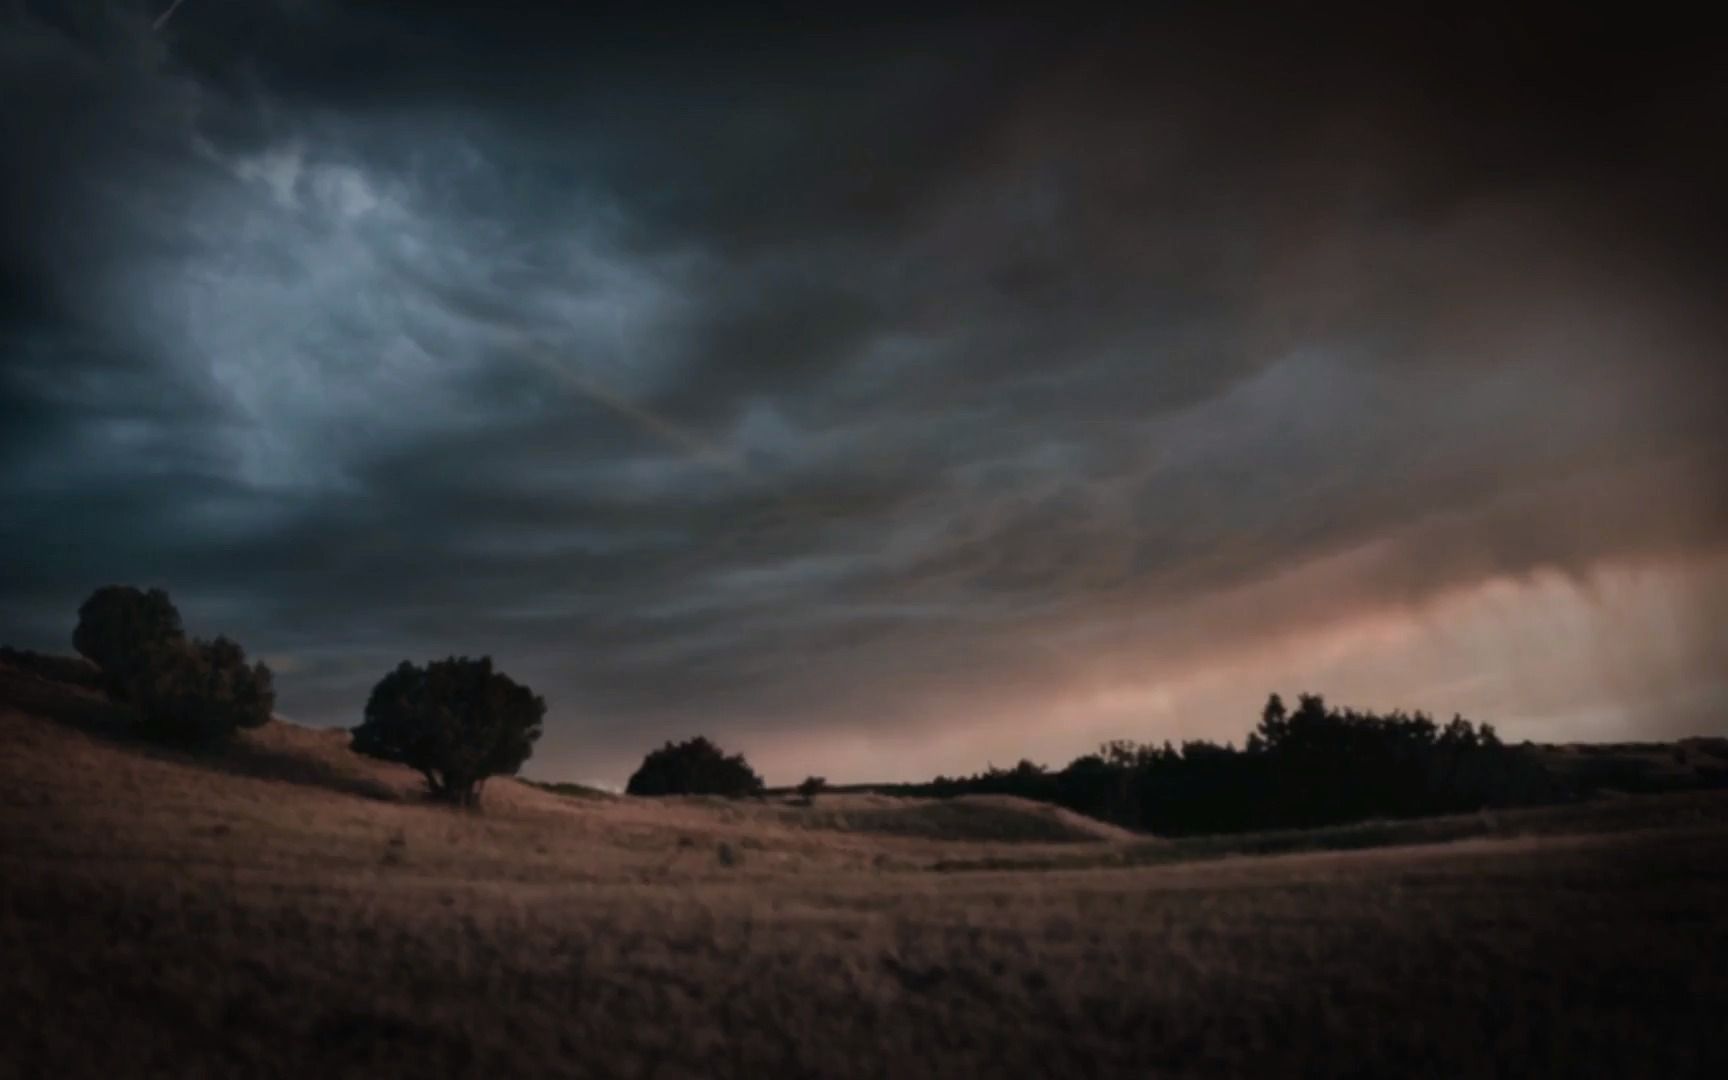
(880, 397)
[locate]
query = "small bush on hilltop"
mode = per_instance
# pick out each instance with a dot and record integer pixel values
(456, 720)
(695, 767)
(181, 689)
(812, 787)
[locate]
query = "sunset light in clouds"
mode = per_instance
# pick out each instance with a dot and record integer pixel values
(1623, 653)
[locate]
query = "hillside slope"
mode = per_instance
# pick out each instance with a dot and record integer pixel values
(71, 746)
(285, 909)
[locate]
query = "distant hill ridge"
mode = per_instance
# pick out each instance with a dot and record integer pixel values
(50, 684)
(67, 690)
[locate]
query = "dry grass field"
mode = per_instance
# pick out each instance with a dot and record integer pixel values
(284, 908)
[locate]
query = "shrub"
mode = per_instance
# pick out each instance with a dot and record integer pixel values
(695, 767)
(455, 720)
(200, 691)
(181, 689)
(812, 787)
(122, 630)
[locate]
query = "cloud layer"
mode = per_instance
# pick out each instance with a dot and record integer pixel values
(881, 396)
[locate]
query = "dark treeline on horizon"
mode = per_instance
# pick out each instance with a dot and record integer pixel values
(458, 721)
(1308, 767)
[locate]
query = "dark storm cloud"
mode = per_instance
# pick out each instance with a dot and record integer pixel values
(766, 375)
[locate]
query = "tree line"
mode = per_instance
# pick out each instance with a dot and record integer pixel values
(1314, 765)
(459, 721)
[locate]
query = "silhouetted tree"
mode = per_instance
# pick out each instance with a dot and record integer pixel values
(812, 787)
(180, 689)
(1315, 765)
(455, 720)
(695, 767)
(122, 629)
(199, 691)
(1273, 724)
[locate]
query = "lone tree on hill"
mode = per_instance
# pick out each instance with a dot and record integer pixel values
(181, 689)
(696, 767)
(455, 720)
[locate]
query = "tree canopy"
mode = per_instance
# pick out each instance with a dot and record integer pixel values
(181, 689)
(694, 767)
(457, 721)
(121, 628)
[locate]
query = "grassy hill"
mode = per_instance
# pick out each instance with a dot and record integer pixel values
(1640, 767)
(284, 908)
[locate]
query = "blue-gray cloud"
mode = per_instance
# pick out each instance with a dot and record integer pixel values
(716, 374)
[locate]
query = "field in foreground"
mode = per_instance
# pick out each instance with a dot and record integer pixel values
(287, 909)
